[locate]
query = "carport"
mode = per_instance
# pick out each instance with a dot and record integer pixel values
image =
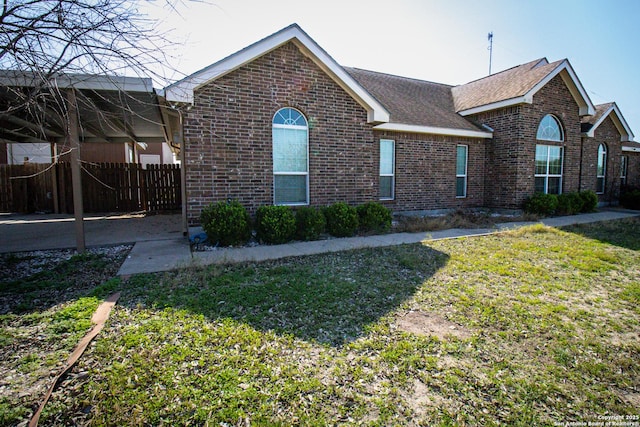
(70, 110)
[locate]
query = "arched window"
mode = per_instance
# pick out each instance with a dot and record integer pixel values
(550, 129)
(290, 158)
(549, 158)
(602, 168)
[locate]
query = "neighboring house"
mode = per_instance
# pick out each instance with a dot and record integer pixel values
(280, 122)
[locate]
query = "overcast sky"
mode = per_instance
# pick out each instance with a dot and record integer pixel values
(444, 41)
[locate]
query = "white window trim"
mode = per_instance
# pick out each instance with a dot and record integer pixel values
(393, 170)
(305, 174)
(624, 165)
(546, 175)
(560, 129)
(466, 170)
(604, 169)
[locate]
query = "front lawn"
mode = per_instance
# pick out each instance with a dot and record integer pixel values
(536, 326)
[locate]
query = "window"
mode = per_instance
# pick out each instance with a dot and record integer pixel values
(624, 165)
(387, 169)
(550, 129)
(290, 158)
(461, 171)
(602, 168)
(548, 174)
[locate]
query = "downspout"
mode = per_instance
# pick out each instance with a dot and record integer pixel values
(183, 179)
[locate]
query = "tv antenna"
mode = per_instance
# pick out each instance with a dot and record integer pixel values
(490, 48)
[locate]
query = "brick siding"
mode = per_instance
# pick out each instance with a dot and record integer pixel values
(510, 174)
(607, 133)
(633, 170)
(228, 144)
(426, 171)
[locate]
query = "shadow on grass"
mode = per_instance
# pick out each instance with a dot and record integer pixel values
(622, 232)
(331, 298)
(62, 281)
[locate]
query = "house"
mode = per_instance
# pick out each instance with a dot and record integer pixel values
(281, 122)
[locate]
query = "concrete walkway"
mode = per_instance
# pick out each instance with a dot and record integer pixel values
(165, 255)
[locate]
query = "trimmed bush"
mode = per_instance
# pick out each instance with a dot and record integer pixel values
(275, 224)
(589, 200)
(227, 223)
(631, 199)
(342, 219)
(569, 203)
(373, 216)
(541, 204)
(310, 223)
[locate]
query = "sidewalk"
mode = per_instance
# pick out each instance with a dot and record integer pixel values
(165, 255)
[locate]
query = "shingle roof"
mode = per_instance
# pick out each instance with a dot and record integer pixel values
(413, 102)
(600, 110)
(512, 83)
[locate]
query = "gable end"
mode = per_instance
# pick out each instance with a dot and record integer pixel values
(182, 91)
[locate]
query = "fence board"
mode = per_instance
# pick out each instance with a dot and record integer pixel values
(106, 187)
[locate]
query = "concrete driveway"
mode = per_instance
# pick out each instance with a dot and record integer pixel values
(41, 232)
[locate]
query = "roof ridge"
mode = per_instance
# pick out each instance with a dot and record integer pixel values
(399, 77)
(534, 62)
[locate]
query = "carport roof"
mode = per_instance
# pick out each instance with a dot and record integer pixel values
(111, 108)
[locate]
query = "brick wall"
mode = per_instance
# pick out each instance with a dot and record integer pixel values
(503, 153)
(510, 176)
(426, 171)
(633, 171)
(606, 134)
(228, 141)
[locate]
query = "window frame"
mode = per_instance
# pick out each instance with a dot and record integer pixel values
(547, 175)
(557, 123)
(273, 157)
(624, 169)
(466, 170)
(601, 165)
(392, 175)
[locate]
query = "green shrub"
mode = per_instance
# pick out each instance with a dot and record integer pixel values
(589, 200)
(342, 219)
(631, 199)
(541, 204)
(310, 223)
(227, 223)
(373, 216)
(275, 224)
(570, 203)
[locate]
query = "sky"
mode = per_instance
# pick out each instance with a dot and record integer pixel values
(443, 41)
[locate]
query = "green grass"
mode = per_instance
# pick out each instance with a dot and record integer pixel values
(540, 327)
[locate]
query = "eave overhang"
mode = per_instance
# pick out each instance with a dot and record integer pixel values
(400, 127)
(568, 75)
(618, 120)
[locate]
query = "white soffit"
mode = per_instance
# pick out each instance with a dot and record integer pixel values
(399, 127)
(182, 91)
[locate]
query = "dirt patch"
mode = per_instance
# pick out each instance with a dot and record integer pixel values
(420, 323)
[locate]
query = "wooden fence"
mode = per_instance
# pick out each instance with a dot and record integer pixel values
(106, 187)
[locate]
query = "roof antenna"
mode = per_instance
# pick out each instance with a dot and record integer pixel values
(490, 48)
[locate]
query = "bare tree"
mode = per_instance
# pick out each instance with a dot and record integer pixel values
(50, 48)
(48, 37)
